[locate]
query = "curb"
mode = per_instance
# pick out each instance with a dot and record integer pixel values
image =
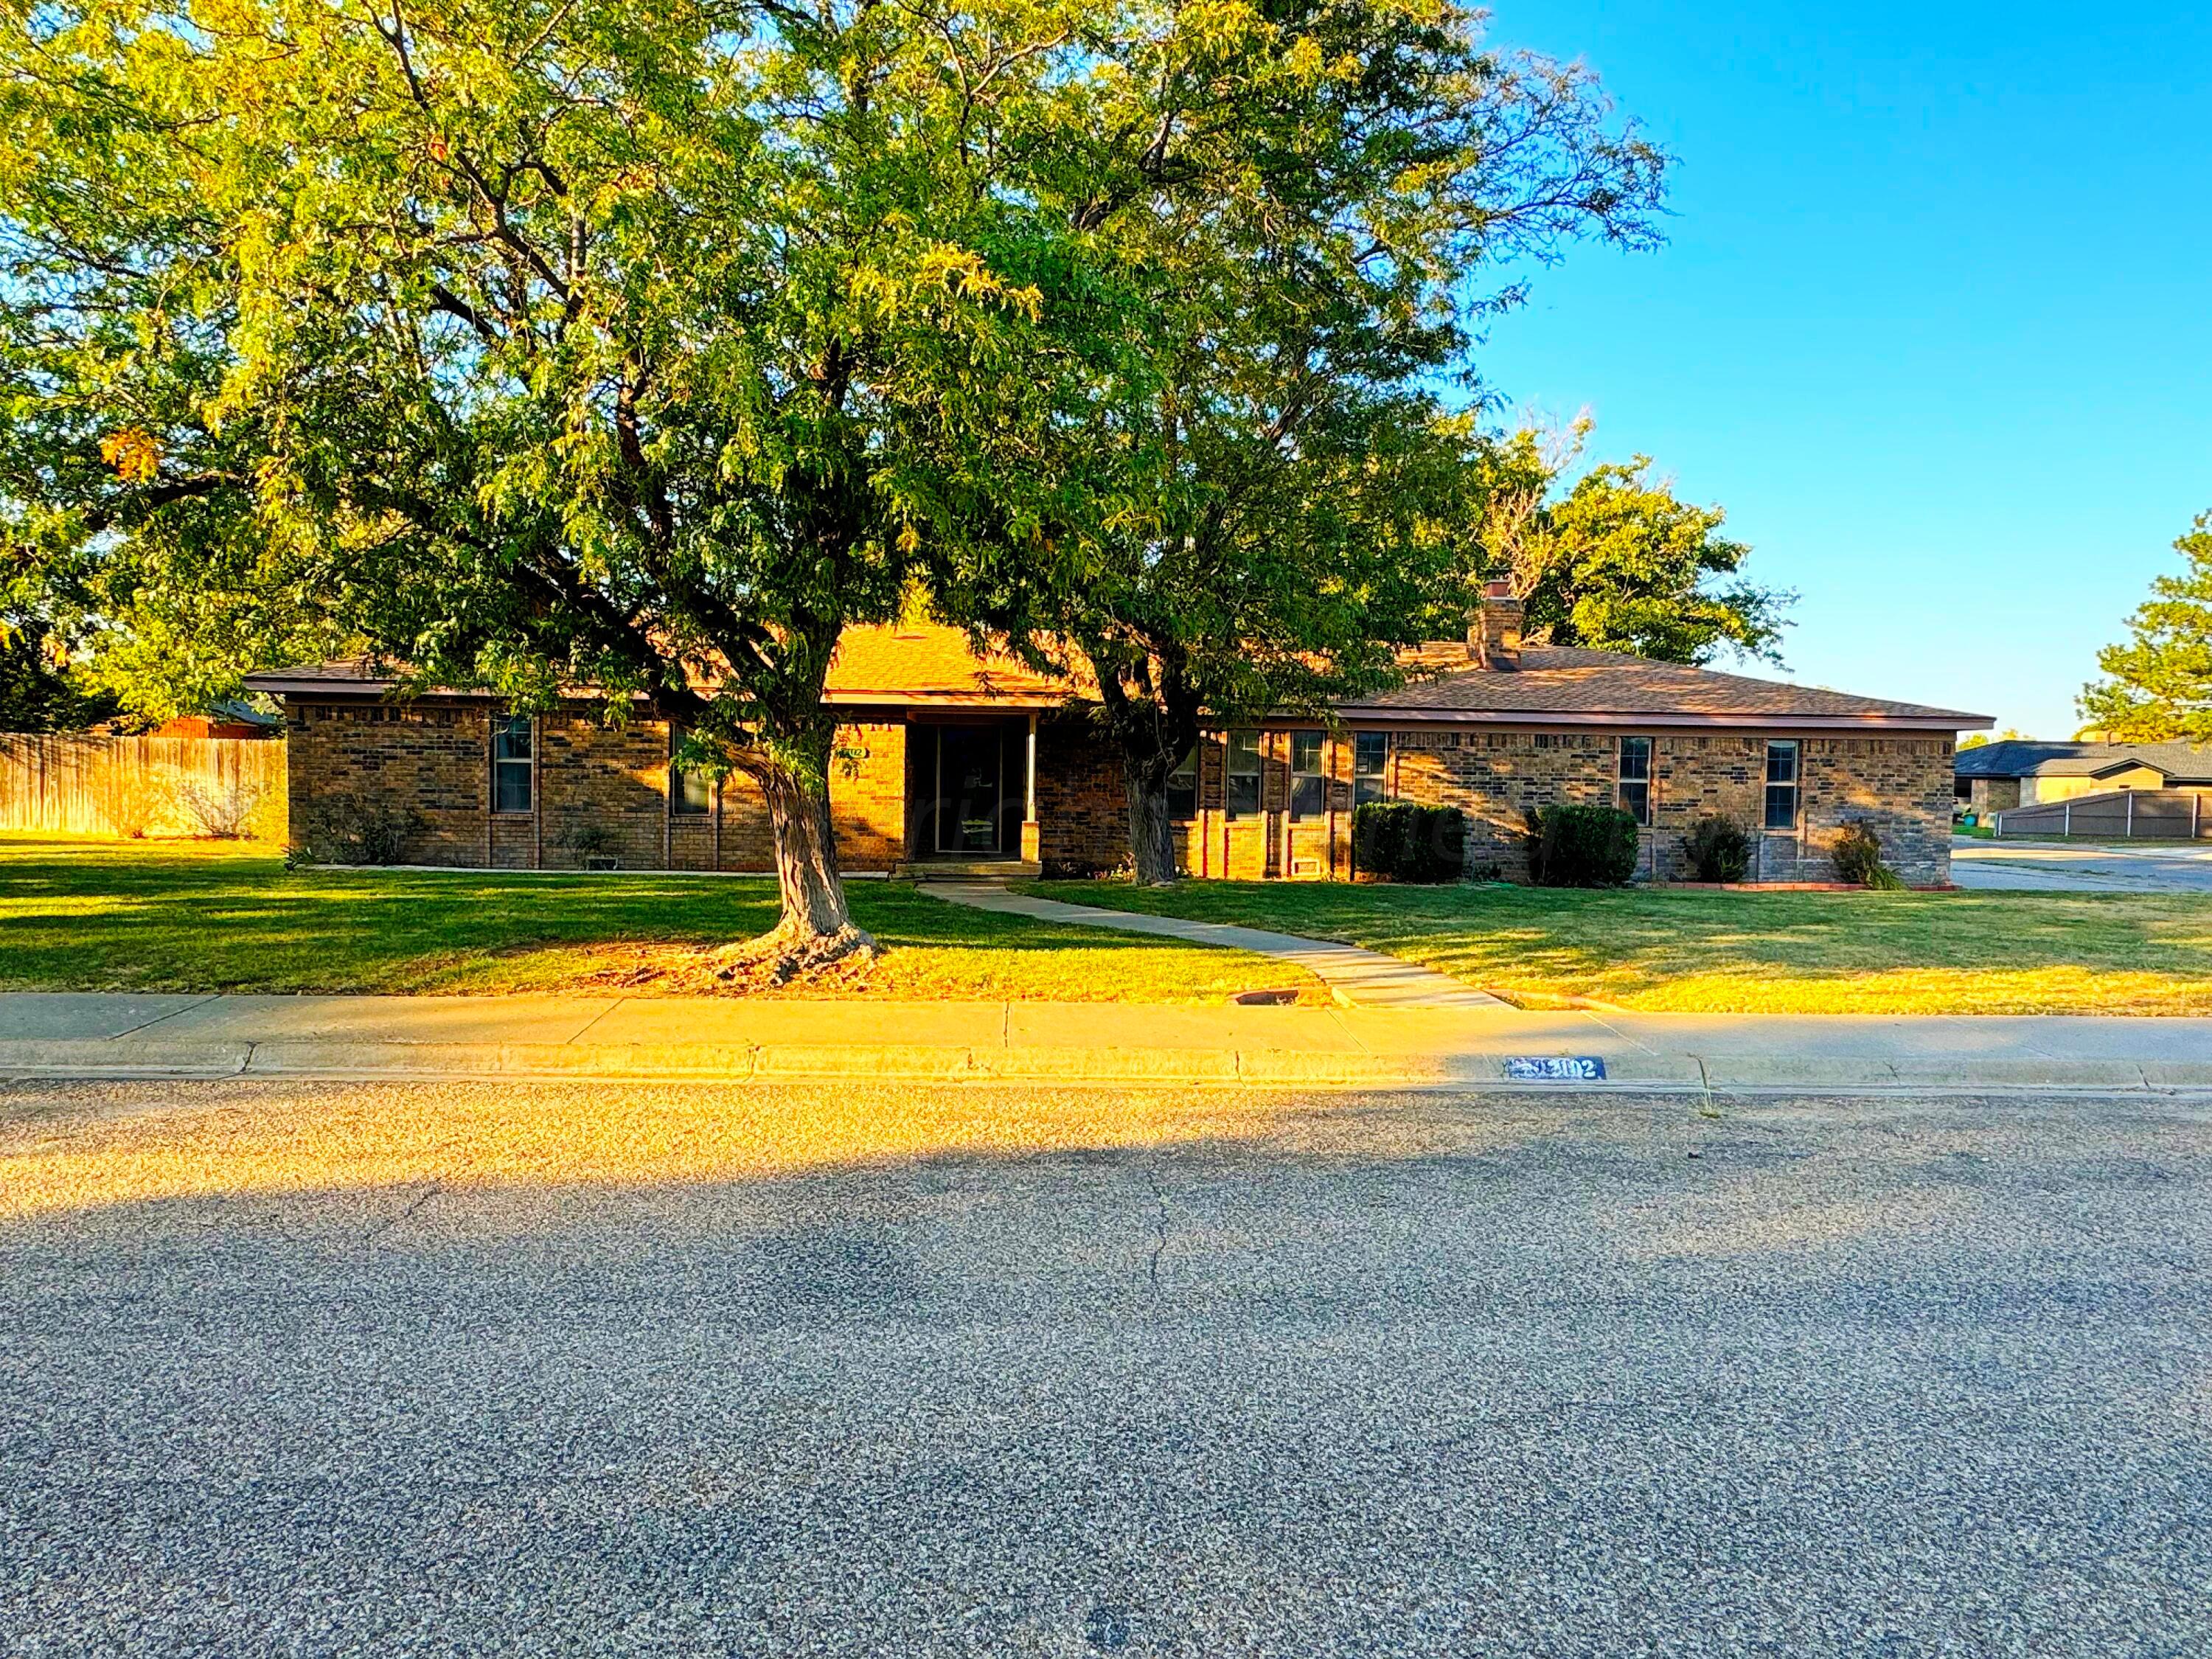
(1472, 1071)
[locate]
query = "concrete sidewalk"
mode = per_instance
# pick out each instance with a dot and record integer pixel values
(98, 1035)
(1356, 978)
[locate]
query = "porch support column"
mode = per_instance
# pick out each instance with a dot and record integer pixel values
(1032, 836)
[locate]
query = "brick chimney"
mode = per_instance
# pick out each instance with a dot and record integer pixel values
(1494, 640)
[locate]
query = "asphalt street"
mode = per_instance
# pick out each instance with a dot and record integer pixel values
(2082, 866)
(313, 1369)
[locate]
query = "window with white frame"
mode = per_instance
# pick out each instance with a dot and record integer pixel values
(1243, 795)
(1634, 789)
(1781, 784)
(510, 765)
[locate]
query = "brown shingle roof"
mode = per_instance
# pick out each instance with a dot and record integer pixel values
(1569, 685)
(922, 663)
(929, 665)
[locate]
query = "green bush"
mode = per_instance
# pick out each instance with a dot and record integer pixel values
(1856, 853)
(353, 829)
(1397, 841)
(1718, 849)
(1582, 846)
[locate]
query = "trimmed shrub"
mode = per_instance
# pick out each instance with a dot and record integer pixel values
(1856, 853)
(1582, 846)
(1397, 841)
(1718, 849)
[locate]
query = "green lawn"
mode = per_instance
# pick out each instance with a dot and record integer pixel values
(1737, 952)
(215, 916)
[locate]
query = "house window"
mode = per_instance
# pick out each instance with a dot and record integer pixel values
(1308, 790)
(1183, 788)
(1243, 774)
(1371, 767)
(1635, 787)
(690, 794)
(510, 765)
(1782, 785)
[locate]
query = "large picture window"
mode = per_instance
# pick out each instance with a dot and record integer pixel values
(1243, 798)
(1371, 767)
(1183, 788)
(1309, 789)
(510, 765)
(1635, 788)
(1782, 785)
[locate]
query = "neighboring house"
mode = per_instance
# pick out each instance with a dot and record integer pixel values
(1996, 777)
(947, 762)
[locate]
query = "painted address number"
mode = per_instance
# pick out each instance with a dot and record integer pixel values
(1555, 1068)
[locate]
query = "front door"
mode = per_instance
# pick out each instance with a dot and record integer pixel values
(971, 787)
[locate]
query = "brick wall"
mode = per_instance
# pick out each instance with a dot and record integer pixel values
(433, 761)
(1083, 814)
(428, 760)
(1994, 794)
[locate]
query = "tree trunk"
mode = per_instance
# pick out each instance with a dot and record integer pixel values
(816, 929)
(1152, 832)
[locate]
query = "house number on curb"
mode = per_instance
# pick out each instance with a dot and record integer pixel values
(1555, 1068)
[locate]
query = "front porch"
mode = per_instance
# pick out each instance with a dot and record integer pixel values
(971, 798)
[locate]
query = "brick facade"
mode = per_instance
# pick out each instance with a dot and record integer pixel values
(602, 792)
(599, 792)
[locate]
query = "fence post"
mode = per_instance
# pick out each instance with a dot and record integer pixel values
(2130, 834)
(2066, 824)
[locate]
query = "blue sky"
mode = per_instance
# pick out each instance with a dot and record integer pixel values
(1933, 323)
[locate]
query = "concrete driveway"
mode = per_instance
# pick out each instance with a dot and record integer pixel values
(300, 1368)
(2063, 867)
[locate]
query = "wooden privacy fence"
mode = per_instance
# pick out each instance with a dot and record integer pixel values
(67, 783)
(2120, 815)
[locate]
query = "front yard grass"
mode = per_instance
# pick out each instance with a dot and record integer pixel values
(1739, 952)
(216, 916)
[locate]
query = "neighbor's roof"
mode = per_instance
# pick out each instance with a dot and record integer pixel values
(1573, 686)
(2016, 758)
(930, 665)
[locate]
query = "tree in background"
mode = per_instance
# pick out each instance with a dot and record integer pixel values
(540, 343)
(1616, 562)
(1269, 499)
(2158, 685)
(37, 693)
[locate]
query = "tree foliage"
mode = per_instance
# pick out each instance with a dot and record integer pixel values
(2158, 684)
(1616, 561)
(1270, 497)
(540, 343)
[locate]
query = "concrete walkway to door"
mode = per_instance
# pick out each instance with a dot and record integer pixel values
(1357, 978)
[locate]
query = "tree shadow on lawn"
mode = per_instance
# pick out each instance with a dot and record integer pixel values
(159, 918)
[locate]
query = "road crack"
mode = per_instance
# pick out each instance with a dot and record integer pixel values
(404, 1216)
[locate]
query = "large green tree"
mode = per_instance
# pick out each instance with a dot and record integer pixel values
(1271, 496)
(1615, 561)
(2158, 684)
(542, 344)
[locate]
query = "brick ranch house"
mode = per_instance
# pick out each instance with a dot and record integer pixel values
(948, 762)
